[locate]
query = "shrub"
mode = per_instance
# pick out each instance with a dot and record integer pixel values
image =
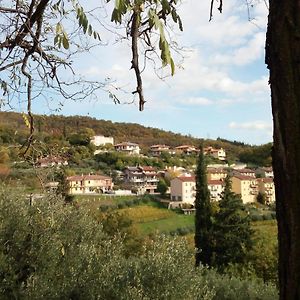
(51, 250)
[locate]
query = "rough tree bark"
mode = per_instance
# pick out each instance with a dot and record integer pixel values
(283, 59)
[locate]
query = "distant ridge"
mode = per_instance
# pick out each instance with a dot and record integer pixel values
(60, 125)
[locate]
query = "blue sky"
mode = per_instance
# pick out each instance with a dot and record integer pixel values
(220, 89)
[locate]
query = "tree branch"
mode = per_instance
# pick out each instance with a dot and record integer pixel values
(135, 58)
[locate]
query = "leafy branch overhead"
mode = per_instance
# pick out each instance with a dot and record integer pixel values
(145, 18)
(38, 39)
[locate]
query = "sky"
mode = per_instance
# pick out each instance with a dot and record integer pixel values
(219, 89)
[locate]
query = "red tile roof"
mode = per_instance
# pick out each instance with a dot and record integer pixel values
(187, 178)
(243, 177)
(215, 182)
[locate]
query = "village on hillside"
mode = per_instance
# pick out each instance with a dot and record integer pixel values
(250, 184)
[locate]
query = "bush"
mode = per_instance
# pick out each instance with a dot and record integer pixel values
(121, 205)
(51, 250)
(256, 217)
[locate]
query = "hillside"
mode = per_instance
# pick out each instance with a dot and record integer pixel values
(13, 130)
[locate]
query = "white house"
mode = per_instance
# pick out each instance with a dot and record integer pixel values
(220, 154)
(127, 147)
(157, 150)
(99, 140)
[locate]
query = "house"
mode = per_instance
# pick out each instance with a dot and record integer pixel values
(216, 153)
(99, 140)
(144, 179)
(265, 172)
(216, 187)
(186, 149)
(157, 150)
(216, 173)
(127, 147)
(51, 161)
(89, 184)
(246, 186)
(183, 190)
(266, 187)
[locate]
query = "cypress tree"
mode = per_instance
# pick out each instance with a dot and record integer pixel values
(232, 231)
(203, 217)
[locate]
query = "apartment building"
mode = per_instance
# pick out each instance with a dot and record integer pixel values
(216, 174)
(245, 172)
(265, 172)
(89, 184)
(144, 179)
(183, 189)
(266, 187)
(216, 187)
(246, 186)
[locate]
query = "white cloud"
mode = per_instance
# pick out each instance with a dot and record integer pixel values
(196, 101)
(244, 55)
(254, 125)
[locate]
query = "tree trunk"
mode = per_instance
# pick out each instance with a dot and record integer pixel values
(283, 60)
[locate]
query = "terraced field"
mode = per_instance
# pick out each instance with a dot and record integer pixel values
(150, 220)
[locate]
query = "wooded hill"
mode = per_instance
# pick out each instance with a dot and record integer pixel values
(13, 130)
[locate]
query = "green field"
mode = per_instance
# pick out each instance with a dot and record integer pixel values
(151, 217)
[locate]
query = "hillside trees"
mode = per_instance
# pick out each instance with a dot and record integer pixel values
(162, 187)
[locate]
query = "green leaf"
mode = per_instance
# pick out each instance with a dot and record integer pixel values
(58, 28)
(172, 66)
(174, 15)
(90, 30)
(165, 6)
(116, 16)
(180, 23)
(65, 41)
(26, 121)
(56, 39)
